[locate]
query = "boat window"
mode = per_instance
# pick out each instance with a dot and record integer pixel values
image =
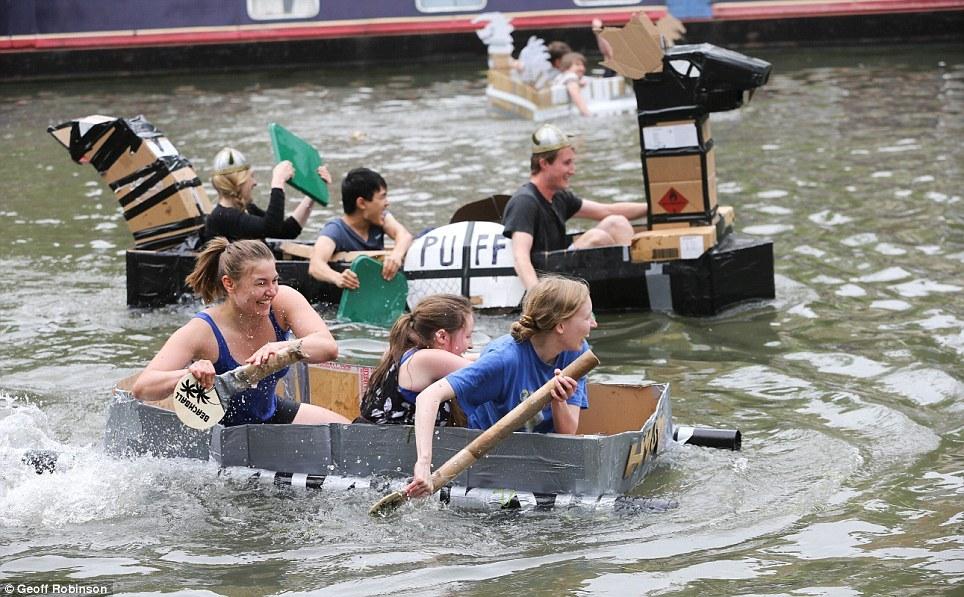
(685, 68)
(274, 10)
(606, 2)
(449, 5)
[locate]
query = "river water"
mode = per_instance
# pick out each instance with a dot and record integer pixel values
(848, 387)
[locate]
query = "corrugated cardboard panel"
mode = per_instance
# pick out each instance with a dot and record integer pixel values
(132, 161)
(617, 408)
(670, 168)
(683, 197)
(338, 387)
(186, 203)
(676, 243)
(677, 134)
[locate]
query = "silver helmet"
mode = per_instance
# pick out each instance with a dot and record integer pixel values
(229, 161)
(549, 137)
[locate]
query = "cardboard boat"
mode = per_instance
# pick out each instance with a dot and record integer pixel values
(619, 439)
(685, 259)
(603, 96)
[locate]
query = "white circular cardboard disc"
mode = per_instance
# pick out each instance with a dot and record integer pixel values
(196, 407)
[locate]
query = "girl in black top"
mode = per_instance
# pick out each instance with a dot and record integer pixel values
(236, 217)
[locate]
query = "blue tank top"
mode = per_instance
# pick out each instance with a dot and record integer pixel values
(408, 395)
(257, 404)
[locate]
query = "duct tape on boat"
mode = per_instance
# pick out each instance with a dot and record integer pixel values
(473, 259)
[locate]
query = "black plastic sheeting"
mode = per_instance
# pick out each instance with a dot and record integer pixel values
(716, 80)
(737, 270)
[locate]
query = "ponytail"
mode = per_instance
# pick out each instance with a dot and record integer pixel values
(221, 257)
(417, 329)
(552, 300)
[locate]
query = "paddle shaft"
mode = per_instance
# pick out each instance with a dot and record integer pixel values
(514, 419)
(247, 376)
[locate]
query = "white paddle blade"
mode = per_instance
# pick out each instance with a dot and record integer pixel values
(195, 406)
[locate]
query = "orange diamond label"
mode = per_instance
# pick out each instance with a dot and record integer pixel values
(673, 201)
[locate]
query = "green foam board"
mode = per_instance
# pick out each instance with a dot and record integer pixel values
(304, 157)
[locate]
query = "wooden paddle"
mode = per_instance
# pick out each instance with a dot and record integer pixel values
(201, 408)
(478, 447)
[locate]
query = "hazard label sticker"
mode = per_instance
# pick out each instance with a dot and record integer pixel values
(673, 201)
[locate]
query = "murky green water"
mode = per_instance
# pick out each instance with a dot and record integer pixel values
(848, 387)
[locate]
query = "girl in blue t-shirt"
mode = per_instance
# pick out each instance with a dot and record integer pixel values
(556, 319)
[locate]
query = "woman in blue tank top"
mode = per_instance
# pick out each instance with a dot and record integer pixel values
(248, 325)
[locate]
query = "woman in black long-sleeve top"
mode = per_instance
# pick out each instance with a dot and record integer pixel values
(236, 217)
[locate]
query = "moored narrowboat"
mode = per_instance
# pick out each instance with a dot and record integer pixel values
(37, 38)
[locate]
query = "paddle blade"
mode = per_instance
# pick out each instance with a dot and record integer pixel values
(304, 157)
(195, 406)
(377, 301)
(388, 504)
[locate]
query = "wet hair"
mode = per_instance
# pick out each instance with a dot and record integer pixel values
(447, 312)
(553, 299)
(550, 156)
(221, 257)
(557, 49)
(360, 182)
(566, 62)
(229, 186)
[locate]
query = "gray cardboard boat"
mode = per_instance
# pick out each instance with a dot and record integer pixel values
(619, 439)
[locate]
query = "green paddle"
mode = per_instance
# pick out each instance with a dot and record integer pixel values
(376, 301)
(478, 447)
(304, 157)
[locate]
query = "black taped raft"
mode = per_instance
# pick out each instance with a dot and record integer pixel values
(736, 270)
(621, 436)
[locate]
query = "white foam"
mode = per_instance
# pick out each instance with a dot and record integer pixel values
(925, 386)
(772, 194)
(851, 290)
(829, 280)
(808, 250)
(857, 240)
(890, 305)
(840, 363)
(768, 229)
(826, 218)
(776, 210)
(919, 288)
(889, 249)
(886, 275)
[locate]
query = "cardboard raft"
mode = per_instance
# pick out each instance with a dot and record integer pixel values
(162, 198)
(619, 436)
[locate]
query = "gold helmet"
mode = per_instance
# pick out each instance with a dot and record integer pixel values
(549, 137)
(229, 161)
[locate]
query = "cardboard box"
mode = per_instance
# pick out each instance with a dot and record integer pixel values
(680, 183)
(682, 200)
(176, 197)
(672, 244)
(691, 134)
(161, 196)
(673, 167)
